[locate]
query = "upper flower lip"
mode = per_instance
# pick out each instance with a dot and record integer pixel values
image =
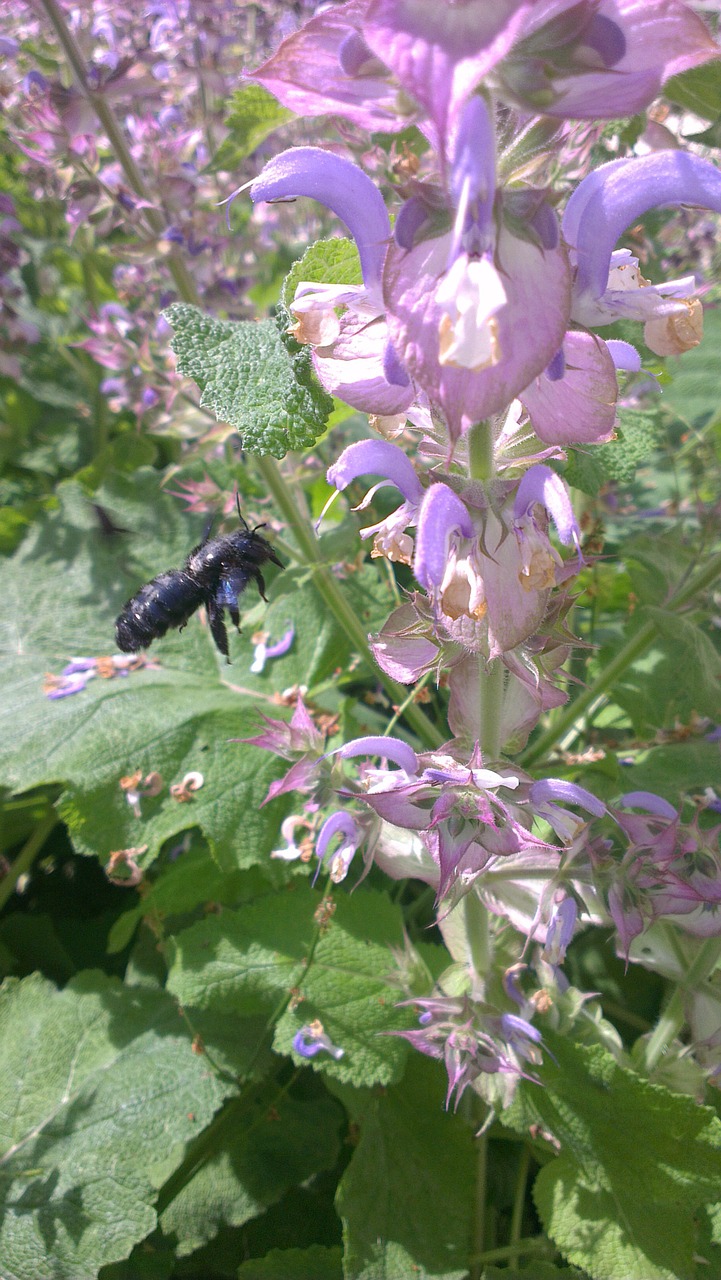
(616, 194)
(341, 186)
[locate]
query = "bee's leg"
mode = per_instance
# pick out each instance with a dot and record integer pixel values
(234, 615)
(217, 626)
(261, 583)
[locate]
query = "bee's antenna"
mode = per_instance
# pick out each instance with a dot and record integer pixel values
(241, 517)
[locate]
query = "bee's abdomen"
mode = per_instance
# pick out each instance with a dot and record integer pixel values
(168, 601)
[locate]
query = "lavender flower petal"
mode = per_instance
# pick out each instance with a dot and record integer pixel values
(540, 484)
(376, 457)
(341, 186)
(389, 748)
(614, 196)
(442, 515)
(650, 802)
(579, 406)
(556, 789)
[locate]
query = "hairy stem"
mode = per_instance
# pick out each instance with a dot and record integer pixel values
(491, 704)
(480, 452)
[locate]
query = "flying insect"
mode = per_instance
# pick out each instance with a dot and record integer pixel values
(215, 575)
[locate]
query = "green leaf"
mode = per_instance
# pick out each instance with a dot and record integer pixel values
(658, 564)
(99, 1094)
(253, 116)
(247, 961)
(267, 1144)
(689, 651)
(534, 1271)
(294, 1264)
(674, 768)
(249, 379)
(676, 678)
(407, 1195)
(185, 712)
(333, 261)
(638, 434)
(699, 90)
(636, 1163)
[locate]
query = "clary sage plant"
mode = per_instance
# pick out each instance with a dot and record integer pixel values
(475, 342)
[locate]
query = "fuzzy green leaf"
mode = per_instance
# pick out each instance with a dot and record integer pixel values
(99, 1094)
(254, 115)
(638, 434)
(245, 961)
(267, 1144)
(699, 90)
(249, 379)
(407, 1196)
(618, 1134)
(294, 1264)
(333, 261)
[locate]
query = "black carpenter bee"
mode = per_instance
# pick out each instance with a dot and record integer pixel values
(215, 574)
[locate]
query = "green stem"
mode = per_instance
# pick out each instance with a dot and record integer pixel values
(480, 451)
(632, 650)
(327, 587)
(531, 1244)
(479, 1207)
(27, 855)
(519, 1202)
(481, 466)
(673, 1018)
(114, 133)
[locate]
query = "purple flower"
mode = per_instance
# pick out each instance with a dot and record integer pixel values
(368, 457)
(288, 738)
(262, 651)
(351, 355)
(608, 285)
(387, 748)
(440, 53)
(479, 1046)
(579, 405)
(458, 305)
(669, 870)
(442, 516)
(490, 591)
(570, 59)
(312, 1040)
(560, 931)
(327, 68)
(383, 458)
(541, 487)
(351, 835)
(342, 187)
